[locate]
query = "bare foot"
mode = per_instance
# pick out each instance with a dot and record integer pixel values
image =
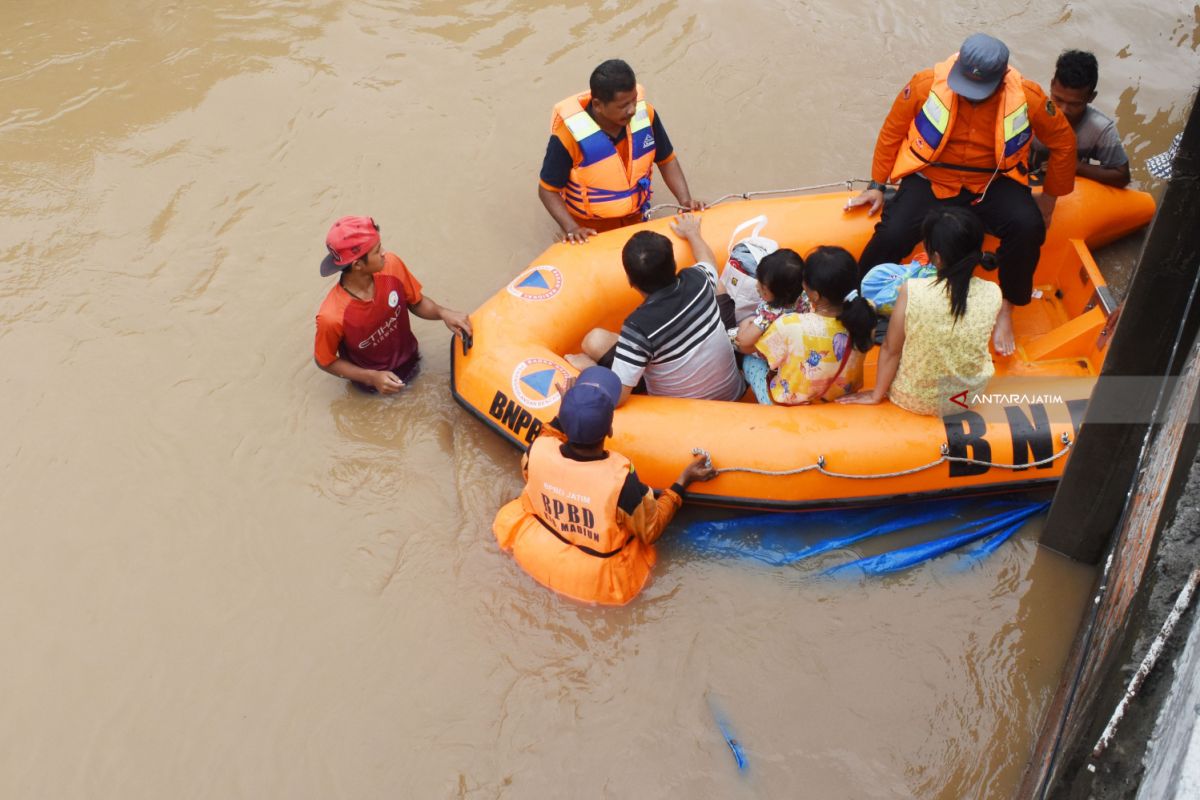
(579, 361)
(1002, 335)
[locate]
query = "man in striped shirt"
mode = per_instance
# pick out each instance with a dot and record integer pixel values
(674, 340)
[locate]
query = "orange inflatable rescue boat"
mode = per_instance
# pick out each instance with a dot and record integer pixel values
(1018, 434)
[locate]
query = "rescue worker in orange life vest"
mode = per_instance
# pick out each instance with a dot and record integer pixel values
(584, 525)
(959, 135)
(603, 143)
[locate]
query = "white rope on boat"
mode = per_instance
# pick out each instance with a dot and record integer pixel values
(847, 184)
(945, 457)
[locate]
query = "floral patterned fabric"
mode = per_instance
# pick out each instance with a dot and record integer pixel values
(806, 351)
(765, 313)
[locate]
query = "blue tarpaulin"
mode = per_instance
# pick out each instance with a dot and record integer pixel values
(783, 539)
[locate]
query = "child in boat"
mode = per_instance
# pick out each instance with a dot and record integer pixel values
(816, 355)
(780, 289)
(737, 288)
(937, 343)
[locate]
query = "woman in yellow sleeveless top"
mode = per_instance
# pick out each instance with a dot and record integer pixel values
(937, 341)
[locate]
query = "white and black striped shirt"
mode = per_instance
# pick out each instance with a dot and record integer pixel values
(676, 341)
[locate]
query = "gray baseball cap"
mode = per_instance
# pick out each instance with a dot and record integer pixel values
(982, 62)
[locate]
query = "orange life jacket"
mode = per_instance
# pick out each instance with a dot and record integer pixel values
(601, 185)
(563, 529)
(931, 127)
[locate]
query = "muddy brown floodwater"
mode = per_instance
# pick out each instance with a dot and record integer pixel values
(226, 575)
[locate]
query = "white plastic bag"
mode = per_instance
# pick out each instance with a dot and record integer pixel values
(738, 279)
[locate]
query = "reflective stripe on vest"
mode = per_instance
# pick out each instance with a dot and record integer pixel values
(601, 185)
(931, 127)
(1017, 131)
(641, 138)
(589, 137)
(577, 500)
(933, 120)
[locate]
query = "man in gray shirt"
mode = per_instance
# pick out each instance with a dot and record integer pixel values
(1101, 156)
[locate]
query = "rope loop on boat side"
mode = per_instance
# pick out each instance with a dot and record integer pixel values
(945, 457)
(847, 184)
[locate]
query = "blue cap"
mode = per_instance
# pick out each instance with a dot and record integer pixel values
(981, 64)
(586, 413)
(603, 377)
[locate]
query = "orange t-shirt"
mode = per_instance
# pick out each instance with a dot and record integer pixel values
(375, 333)
(972, 140)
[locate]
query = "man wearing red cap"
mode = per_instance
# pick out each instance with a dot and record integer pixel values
(959, 135)
(363, 331)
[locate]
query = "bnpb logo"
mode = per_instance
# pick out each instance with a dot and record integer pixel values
(537, 283)
(533, 382)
